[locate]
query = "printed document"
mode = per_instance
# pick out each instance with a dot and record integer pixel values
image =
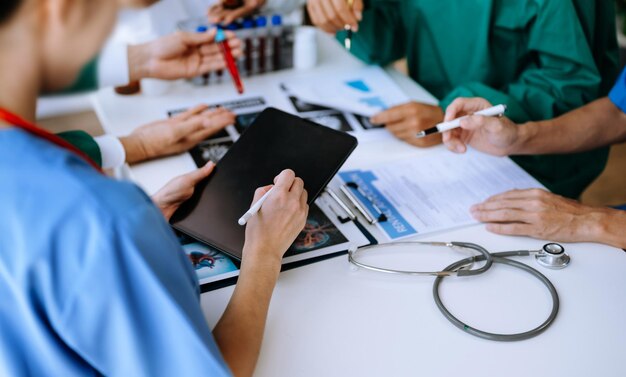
(434, 192)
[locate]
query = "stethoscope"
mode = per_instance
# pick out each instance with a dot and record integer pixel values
(551, 255)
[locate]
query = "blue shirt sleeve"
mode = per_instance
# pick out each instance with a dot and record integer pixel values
(135, 310)
(618, 93)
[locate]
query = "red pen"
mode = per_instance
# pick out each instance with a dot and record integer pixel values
(220, 38)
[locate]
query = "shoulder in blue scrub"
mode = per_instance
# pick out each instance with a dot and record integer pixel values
(92, 279)
(618, 97)
(618, 93)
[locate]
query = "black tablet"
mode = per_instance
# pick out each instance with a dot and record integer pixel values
(274, 142)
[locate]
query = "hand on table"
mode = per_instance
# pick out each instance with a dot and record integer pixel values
(405, 121)
(274, 228)
(496, 136)
(540, 214)
(175, 135)
(219, 14)
(333, 15)
(179, 190)
(179, 55)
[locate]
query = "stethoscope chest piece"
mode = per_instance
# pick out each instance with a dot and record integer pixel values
(553, 256)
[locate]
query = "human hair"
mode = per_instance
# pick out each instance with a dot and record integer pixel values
(7, 7)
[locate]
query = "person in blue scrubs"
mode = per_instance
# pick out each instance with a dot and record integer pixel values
(92, 279)
(538, 213)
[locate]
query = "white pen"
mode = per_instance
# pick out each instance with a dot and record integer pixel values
(255, 208)
(495, 111)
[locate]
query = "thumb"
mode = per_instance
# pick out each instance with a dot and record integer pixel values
(199, 174)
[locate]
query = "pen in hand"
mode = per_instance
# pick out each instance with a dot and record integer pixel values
(494, 111)
(348, 40)
(254, 209)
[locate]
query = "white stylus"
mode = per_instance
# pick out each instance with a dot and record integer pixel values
(495, 111)
(254, 209)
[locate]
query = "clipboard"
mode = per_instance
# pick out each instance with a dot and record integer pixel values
(274, 142)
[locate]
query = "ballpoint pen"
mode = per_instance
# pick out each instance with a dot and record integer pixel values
(348, 40)
(495, 111)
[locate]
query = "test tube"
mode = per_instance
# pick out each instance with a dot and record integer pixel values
(205, 78)
(276, 32)
(261, 44)
(247, 35)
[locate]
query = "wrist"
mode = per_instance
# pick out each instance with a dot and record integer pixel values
(608, 227)
(134, 148)
(525, 134)
(261, 258)
(138, 58)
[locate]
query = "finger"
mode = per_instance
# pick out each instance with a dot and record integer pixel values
(507, 215)
(464, 106)
(403, 125)
(190, 113)
(238, 13)
(219, 119)
(344, 14)
(285, 179)
(297, 186)
(493, 205)
(198, 175)
(513, 229)
(304, 198)
(452, 140)
(332, 20)
(216, 13)
(258, 194)
(197, 39)
(187, 127)
(520, 194)
(318, 17)
(357, 8)
(476, 122)
(392, 115)
(210, 49)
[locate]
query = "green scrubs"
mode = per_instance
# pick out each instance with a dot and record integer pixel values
(87, 80)
(541, 58)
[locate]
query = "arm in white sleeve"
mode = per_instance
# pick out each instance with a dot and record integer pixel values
(111, 150)
(113, 66)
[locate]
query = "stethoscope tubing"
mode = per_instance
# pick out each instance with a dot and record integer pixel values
(501, 258)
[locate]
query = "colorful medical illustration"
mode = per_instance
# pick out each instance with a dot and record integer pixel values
(208, 261)
(319, 232)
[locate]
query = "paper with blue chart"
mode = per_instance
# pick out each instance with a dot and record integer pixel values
(434, 192)
(364, 92)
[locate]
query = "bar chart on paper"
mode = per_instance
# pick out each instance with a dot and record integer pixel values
(365, 91)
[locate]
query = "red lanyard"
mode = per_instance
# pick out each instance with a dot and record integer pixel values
(16, 121)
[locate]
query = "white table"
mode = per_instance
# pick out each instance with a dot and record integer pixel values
(329, 320)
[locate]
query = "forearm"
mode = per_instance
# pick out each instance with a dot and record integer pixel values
(592, 126)
(239, 332)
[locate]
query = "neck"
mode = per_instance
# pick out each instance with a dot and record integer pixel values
(20, 72)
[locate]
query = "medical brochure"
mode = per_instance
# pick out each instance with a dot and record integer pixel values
(433, 192)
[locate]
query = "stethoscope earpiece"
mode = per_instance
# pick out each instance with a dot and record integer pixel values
(553, 255)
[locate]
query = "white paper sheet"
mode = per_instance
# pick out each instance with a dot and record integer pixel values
(434, 192)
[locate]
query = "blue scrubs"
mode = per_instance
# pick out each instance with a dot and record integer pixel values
(618, 97)
(92, 279)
